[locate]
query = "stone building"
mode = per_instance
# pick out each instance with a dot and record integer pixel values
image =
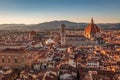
(14, 58)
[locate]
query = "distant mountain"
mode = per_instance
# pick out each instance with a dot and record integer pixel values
(56, 25)
(115, 26)
(11, 26)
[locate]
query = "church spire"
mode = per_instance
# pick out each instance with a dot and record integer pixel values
(92, 21)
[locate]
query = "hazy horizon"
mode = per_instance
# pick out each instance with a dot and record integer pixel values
(39, 11)
(59, 20)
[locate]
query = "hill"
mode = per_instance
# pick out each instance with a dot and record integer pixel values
(56, 25)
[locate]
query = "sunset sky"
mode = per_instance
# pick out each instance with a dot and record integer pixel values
(38, 11)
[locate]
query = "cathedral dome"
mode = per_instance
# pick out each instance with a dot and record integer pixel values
(91, 29)
(33, 33)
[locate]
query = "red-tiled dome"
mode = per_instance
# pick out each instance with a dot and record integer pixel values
(91, 28)
(33, 33)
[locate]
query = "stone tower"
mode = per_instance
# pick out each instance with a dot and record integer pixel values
(63, 34)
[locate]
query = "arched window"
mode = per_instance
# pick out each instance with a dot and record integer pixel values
(9, 59)
(3, 59)
(16, 60)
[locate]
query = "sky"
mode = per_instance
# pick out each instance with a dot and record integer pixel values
(38, 11)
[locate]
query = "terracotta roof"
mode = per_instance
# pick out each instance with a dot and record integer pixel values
(74, 36)
(33, 33)
(18, 51)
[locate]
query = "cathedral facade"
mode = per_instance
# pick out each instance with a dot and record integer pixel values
(89, 37)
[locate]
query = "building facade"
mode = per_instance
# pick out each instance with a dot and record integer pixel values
(14, 58)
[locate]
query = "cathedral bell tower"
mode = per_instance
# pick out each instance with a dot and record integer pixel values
(63, 34)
